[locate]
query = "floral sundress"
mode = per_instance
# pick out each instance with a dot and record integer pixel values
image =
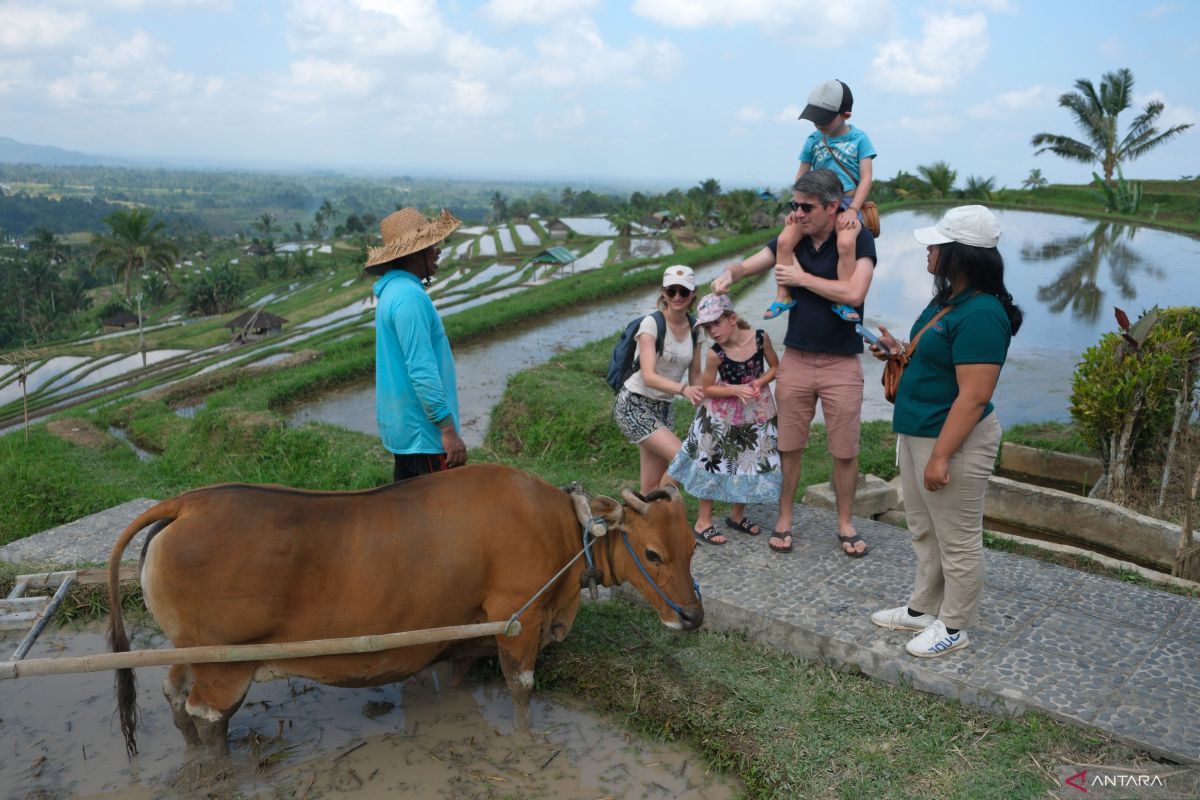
(731, 452)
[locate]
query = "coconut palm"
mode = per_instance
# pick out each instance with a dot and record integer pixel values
(1096, 115)
(47, 245)
(940, 177)
(979, 188)
(135, 242)
(1034, 181)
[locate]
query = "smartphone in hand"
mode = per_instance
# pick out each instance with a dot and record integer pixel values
(870, 338)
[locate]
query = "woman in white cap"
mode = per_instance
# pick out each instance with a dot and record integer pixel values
(644, 409)
(947, 428)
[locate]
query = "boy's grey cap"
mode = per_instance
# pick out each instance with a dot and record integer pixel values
(827, 101)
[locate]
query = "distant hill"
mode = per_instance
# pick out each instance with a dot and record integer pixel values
(14, 152)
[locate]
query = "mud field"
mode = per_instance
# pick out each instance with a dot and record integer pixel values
(59, 738)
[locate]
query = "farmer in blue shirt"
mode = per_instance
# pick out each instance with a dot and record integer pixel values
(416, 402)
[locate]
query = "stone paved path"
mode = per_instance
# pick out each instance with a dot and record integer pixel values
(1084, 649)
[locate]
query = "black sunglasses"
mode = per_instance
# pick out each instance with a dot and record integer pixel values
(677, 291)
(807, 208)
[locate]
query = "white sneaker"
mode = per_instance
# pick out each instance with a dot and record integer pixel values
(898, 619)
(935, 641)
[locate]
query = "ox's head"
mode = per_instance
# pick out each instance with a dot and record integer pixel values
(650, 545)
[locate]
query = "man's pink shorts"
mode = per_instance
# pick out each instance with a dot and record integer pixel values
(837, 380)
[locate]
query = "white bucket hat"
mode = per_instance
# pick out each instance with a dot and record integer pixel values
(973, 225)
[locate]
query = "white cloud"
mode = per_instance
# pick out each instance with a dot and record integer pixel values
(838, 22)
(576, 54)
(29, 28)
(1016, 102)
(316, 80)
(1160, 10)
(367, 28)
(951, 47)
(750, 113)
(1172, 115)
(536, 12)
(790, 113)
(473, 98)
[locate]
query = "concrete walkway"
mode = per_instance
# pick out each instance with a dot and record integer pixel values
(1087, 650)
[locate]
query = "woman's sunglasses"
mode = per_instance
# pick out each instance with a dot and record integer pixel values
(678, 291)
(807, 208)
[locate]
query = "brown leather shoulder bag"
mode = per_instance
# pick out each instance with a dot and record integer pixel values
(893, 369)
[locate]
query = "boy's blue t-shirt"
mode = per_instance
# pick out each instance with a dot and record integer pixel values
(851, 148)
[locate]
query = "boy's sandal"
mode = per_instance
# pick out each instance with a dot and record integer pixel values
(776, 308)
(783, 536)
(846, 312)
(852, 540)
(745, 526)
(709, 535)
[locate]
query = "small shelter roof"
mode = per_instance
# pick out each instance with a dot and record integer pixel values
(554, 255)
(255, 318)
(120, 320)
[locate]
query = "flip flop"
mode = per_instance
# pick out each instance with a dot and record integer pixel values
(781, 535)
(776, 308)
(852, 540)
(848, 313)
(745, 526)
(708, 534)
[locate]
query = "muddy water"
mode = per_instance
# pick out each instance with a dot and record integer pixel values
(483, 367)
(418, 739)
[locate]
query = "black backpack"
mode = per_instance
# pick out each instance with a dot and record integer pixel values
(624, 360)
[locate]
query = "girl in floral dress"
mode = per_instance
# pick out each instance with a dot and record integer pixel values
(731, 453)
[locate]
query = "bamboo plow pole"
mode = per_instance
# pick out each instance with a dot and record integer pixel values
(222, 653)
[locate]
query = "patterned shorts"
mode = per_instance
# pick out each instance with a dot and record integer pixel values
(639, 416)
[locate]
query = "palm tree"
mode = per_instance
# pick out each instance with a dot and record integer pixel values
(1034, 181)
(979, 188)
(940, 177)
(1096, 115)
(568, 200)
(265, 225)
(499, 207)
(623, 219)
(47, 245)
(135, 242)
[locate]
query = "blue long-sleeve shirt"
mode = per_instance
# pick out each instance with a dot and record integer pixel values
(414, 368)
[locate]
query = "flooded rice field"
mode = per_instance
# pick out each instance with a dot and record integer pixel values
(506, 240)
(595, 258)
(526, 234)
(416, 739)
(487, 246)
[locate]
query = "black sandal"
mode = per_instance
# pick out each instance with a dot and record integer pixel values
(852, 540)
(745, 526)
(708, 534)
(782, 536)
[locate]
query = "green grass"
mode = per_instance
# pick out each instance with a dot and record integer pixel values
(791, 728)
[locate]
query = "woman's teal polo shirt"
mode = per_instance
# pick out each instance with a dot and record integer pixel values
(975, 331)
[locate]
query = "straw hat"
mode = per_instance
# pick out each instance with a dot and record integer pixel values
(407, 231)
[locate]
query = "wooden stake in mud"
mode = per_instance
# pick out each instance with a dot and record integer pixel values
(213, 654)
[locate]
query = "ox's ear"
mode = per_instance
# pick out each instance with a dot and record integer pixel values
(612, 512)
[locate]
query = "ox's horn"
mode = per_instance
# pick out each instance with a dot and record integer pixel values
(636, 503)
(673, 491)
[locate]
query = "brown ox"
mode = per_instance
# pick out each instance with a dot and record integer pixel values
(244, 564)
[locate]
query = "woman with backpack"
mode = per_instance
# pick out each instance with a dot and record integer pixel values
(644, 409)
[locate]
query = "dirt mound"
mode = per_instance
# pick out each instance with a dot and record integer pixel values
(81, 432)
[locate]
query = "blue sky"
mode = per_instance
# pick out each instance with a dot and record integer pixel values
(645, 92)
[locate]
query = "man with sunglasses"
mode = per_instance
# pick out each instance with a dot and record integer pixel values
(822, 354)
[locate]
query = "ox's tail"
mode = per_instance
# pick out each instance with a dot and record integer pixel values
(126, 685)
